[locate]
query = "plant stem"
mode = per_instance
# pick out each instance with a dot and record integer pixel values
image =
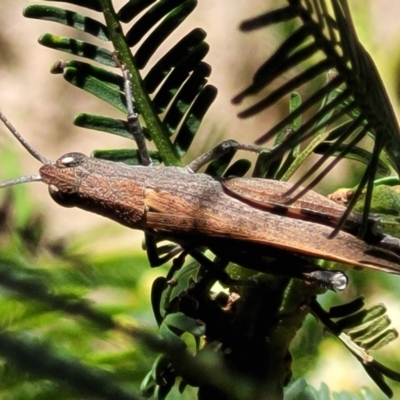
(143, 102)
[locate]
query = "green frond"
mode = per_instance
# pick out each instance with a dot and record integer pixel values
(325, 46)
(69, 18)
(177, 80)
(361, 330)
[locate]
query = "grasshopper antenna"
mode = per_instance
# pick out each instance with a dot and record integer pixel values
(31, 150)
(20, 139)
(22, 179)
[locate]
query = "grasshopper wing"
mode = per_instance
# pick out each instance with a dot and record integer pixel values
(270, 195)
(194, 208)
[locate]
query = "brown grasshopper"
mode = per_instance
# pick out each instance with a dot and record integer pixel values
(245, 220)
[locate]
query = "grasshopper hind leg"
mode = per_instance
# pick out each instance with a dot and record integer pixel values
(328, 279)
(334, 280)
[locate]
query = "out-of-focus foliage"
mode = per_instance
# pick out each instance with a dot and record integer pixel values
(71, 303)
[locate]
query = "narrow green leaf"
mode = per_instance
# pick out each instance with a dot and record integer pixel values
(282, 60)
(377, 377)
(172, 339)
(162, 391)
(363, 335)
(148, 385)
(159, 368)
(96, 87)
(361, 317)
(176, 78)
(69, 18)
(272, 17)
(151, 18)
(344, 310)
(312, 100)
(218, 166)
(193, 119)
(104, 124)
(261, 168)
(337, 132)
(112, 79)
(356, 153)
(90, 4)
(132, 8)
(78, 48)
(185, 97)
(394, 375)
(294, 104)
(162, 31)
(178, 53)
(157, 290)
(126, 156)
(238, 168)
(288, 87)
(183, 279)
(382, 340)
(185, 324)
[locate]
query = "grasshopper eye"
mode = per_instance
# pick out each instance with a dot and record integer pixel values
(62, 199)
(69, 160)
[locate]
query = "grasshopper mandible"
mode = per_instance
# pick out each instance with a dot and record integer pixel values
(247, 220)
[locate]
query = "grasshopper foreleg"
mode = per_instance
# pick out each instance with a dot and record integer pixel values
(133, 117)
(154, 253)
(219, 150)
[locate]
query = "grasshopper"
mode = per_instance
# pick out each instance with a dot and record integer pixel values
(250, 221)
(246, 220)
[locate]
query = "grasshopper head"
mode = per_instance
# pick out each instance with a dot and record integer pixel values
(64, 177)
(98, 186)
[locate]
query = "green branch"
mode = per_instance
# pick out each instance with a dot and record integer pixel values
(157, 131)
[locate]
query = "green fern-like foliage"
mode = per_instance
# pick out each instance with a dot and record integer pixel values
(327, 40)
(179, 77)
(52, 330)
